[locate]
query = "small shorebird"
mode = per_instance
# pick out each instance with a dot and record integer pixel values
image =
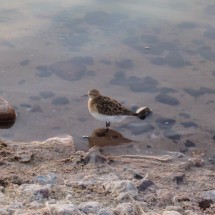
(109, 110)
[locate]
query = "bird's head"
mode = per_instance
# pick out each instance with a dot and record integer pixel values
(93, 93)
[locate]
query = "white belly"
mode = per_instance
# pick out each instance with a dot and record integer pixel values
(105, 118)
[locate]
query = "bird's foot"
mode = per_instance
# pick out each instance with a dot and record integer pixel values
(107, 126)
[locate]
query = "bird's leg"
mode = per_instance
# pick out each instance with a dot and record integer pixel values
(107, 126)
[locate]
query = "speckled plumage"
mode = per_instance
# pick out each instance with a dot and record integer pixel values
(109, 110)
(107, 106)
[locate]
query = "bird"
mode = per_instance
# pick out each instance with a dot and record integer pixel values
(106, 109)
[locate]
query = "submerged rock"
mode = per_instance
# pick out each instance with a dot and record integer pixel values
(7, 114)
(166, 99)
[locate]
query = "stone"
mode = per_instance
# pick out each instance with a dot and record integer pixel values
(3, 211)
(65, 209)
(165, 123)
(210, 33)
(189, 143)
(209, 194)
(24, 62)
(50, 178)
(158, 61)
(175, 59)
(92, 156)
(125, 64)
(69, 70)
(146, 84)
(36, 108)
(171, 213)
(189, 124)
(166, 99)
(7, 114)
(189, 212)
(43, 71)
(123, 186)
(89, 207)
(47, 94)
(124, 197)
(172, 135)
(179, 178)
(130, 208)
(187, 25)
(106, 211)
(145, 183)
(60, 101)
(35, 192)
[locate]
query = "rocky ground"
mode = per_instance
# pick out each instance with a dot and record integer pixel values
(52, 177)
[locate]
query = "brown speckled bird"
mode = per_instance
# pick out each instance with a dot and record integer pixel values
(109, 110)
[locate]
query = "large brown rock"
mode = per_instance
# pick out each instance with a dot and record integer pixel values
(7, 114)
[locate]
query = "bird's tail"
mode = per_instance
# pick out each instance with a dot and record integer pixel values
(143, 112)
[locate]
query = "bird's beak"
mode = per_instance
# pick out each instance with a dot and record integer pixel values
(84, 95)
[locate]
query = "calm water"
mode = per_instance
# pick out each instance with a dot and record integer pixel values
(152, 53)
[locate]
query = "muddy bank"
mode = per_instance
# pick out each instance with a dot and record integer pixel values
(51, 177)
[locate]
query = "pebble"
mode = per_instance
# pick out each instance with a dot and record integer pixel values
(24, 62)
(124, 197)
(145, 184)
(189, 212)
(4, 212)
(189, 143)
(137, 129)
(35, 192)
(89, 207)
(172, 135)
(69, 70)
(35, 98)
(36, 108)
(187, 25)
(179, 178)
(130, 208)
(106, 211)
(46, 94)
(158, 61)
(43, 71)
(166, 99)
(210, 33)
(123, 186)
(64, 209)
(171, 213)
(165, 123)
(146, 84)
(189, 124)
(60, 101)
(50, 178)
(175, 59)
(125, 64)
(209, 194)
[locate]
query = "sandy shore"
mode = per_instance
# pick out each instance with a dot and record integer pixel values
(51, 177)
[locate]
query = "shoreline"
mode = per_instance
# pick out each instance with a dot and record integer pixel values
(51, 177)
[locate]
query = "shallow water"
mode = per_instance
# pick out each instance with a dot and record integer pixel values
(153, 53)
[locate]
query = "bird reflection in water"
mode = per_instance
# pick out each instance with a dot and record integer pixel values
(100, 137)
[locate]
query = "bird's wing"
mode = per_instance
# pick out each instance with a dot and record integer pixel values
(108, 106)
